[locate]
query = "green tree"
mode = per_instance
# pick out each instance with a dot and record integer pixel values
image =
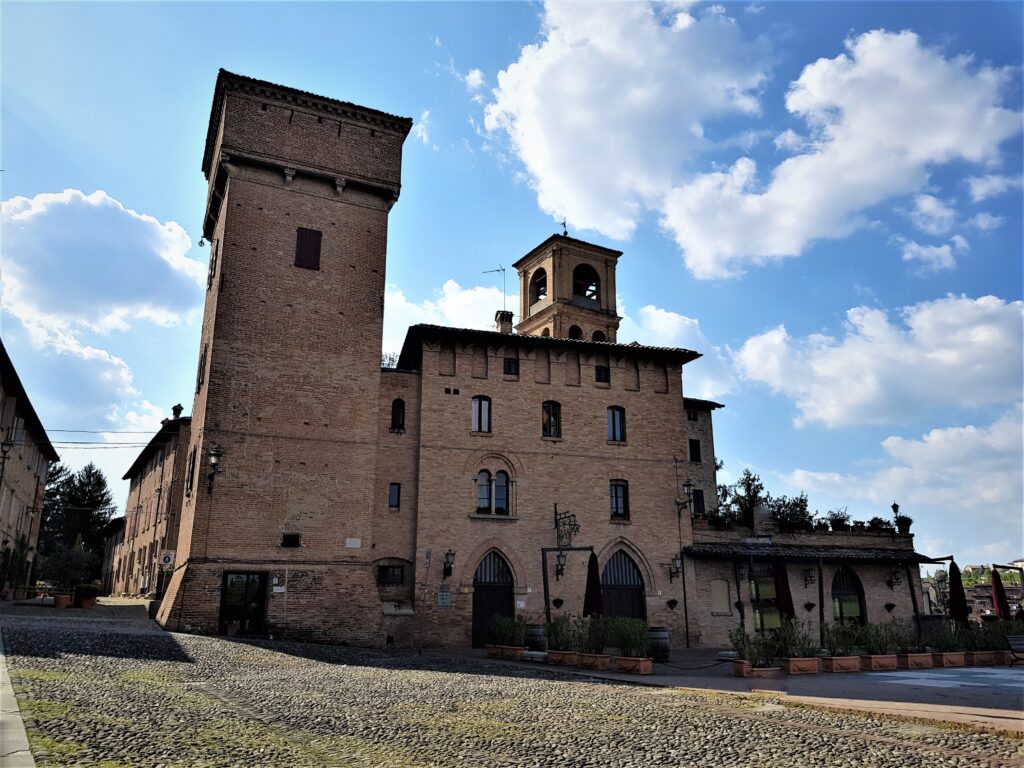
(76, 507)
(746, 495)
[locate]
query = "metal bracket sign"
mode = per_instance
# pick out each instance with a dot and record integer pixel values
(565, 527)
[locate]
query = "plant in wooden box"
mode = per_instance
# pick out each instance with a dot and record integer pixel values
(593, 634)
(910, 653)
(981, 645)
(948, 645)
(509, 636)
(630, 636)
(875, 639)
(797, 649)
(563, 641)
(839, 640)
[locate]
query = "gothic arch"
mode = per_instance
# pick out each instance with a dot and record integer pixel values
(465, 567)
(621, 542)
(487, 456)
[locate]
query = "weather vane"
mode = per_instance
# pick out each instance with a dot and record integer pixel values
(565, 228)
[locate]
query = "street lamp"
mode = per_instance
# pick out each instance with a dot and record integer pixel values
(675, 568)
(559, 565)
(449, 563)
(687, 498)
(214, 459)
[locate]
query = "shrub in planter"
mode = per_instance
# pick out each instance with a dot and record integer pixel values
(593, 634)
(875, 640)
(910, 652)
(839, 641)
(797, 649)
(903, 523)
(631, 638)
(948, 643)
(85, 595)
(880, 525)
(563, 640)
(510, 633)
(759, 651)
(839, 520)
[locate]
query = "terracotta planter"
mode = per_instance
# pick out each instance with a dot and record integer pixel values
(634, 665)
(878, 662)
(840, 663)
(61, 601)
(1002, 658)
(593, 661)
(980, 658)
(493, 651)
(88, 603)
(955, 659)
(766, 672)
(800, 666)
(562, 658)
(20, 593)
(914, 660)
(741, 668)
(512, 652)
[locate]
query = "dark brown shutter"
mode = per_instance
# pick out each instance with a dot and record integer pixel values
(307, 248)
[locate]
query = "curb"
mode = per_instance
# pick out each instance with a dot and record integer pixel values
(16, 752)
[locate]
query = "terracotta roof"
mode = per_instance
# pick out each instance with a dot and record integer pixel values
(13, 386)
(160, 439)
(696, 404)
(412, 349)
(739, 549)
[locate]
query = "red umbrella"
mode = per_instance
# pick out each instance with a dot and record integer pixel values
(783, 597)
(592, 597)
(999, 601)
(957, 596)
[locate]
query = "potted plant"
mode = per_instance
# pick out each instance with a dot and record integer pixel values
(61, 600)
(509, 635)
(981, 644)
(593, 637)
(797, 650)
(757, 654)
(838, 519)
(910, 653)
(948, 646)
(839, 640)
(85, 595)
(630, 636)
(880, 525)
(874, 639)
(903, 523)
(858, 526)
(563, 641)
(821, 526)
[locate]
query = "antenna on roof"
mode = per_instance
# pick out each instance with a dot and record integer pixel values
(502, 270)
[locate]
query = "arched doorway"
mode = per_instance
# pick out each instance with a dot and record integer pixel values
(492, 594)
(847, 598)
(622, 588)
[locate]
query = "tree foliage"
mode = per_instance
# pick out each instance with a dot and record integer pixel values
(76, 507)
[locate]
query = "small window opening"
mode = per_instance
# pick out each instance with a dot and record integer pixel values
(695, 451)
(617, 424)
(691, 415)
(394, 495)
(602, 374)
(551, 419)
(291, 540)
(307, 248)
(618, 491)
(575, 332)
(511, 366)
(397, 415)
(390, 574)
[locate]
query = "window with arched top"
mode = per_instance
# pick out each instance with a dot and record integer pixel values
(586, 284)
(546, 332)
(575, 332)
(501, 506)
(495, 490)
(599, 336)
(483, 492)
(398, 415)
(848, 597)
(538, 286)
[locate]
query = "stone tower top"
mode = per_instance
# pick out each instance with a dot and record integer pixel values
(567, 289)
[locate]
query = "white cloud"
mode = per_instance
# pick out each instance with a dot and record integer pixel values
(474, 79)
(935, 258)
(986, 222)
(421, 130)
(631, 84)
(992, 185)
(754, 8)
(881, 116)
(971, 475)
(790, 141)
(931, 215)
(954, 351)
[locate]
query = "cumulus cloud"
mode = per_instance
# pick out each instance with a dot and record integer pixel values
(985, 221)
(954, 351)
(632, 84)
(880, 117)
(968, 473)
(992, 185)
(474, 79)
(932, 215)
(78, 267)
(934, 258)
(421, 130)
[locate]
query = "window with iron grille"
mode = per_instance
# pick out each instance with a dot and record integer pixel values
(390, 574)
(551, 419)
(307, 248)
(618, 491)
(214, 247)
(617, 424)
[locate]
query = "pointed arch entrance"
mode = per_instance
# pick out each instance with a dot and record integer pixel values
(622, 588)
(493, 594)
(847, 598)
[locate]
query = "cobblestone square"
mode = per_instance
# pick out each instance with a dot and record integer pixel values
(109, 694)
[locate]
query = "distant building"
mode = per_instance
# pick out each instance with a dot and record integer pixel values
(25, 457)
(113, 537)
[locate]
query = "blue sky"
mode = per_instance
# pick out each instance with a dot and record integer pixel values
(823, 198)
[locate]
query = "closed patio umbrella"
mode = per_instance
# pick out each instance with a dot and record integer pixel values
(592, 597)
(783, 597)
(999, 601)
(957, 596)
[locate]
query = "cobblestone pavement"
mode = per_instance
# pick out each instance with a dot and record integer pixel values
(99, 694)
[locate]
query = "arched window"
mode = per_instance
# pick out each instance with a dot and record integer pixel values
(599, 336)
(551, 419)
(501, 493)
(586, 284)
(617, 423)
(847, 598)
(481, 418)
(538, 286)
(575, 332)
(546, 332)
(398, 415)
(483, 492)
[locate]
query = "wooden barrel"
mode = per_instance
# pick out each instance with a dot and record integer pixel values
(536, 637)
(660, 648)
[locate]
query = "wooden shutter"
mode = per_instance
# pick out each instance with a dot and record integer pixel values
(307, 248)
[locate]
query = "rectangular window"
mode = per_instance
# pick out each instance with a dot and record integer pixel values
(618, 491)
(617, 424)
(602, 374)
(190, 475)
(291, 540)
(511, 366)
(307, 248)
(201, 372)
(763, 600)
(390, 574)
(481, 418)
(213, 265)
(698, 502)
(394, 495)
(695, 451)
(691, 415)
(551, 419)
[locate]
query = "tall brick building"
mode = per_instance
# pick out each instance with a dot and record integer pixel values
(327, 498)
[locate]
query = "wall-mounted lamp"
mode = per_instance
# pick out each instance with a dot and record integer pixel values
(808, 577)
(686, 499)
(449, 563)
(214, 459)
(559, 565)
(895, 579)
(675, 568)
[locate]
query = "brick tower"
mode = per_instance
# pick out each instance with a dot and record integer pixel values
(277, 516)
(567, 290)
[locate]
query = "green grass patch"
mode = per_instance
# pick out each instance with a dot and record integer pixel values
(44, 675)
(44, 711)
(55, 748)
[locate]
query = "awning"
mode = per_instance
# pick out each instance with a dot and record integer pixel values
(770, 551)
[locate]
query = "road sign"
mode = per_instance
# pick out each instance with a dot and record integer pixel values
(167, 559)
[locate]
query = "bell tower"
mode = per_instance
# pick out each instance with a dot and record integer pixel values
(567, 290)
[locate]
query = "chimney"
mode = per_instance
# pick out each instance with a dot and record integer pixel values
(503, 321)
(176, 410)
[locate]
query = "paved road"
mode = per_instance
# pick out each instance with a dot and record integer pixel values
(98, 693)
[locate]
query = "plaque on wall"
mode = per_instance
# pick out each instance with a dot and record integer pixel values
(444, 596)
